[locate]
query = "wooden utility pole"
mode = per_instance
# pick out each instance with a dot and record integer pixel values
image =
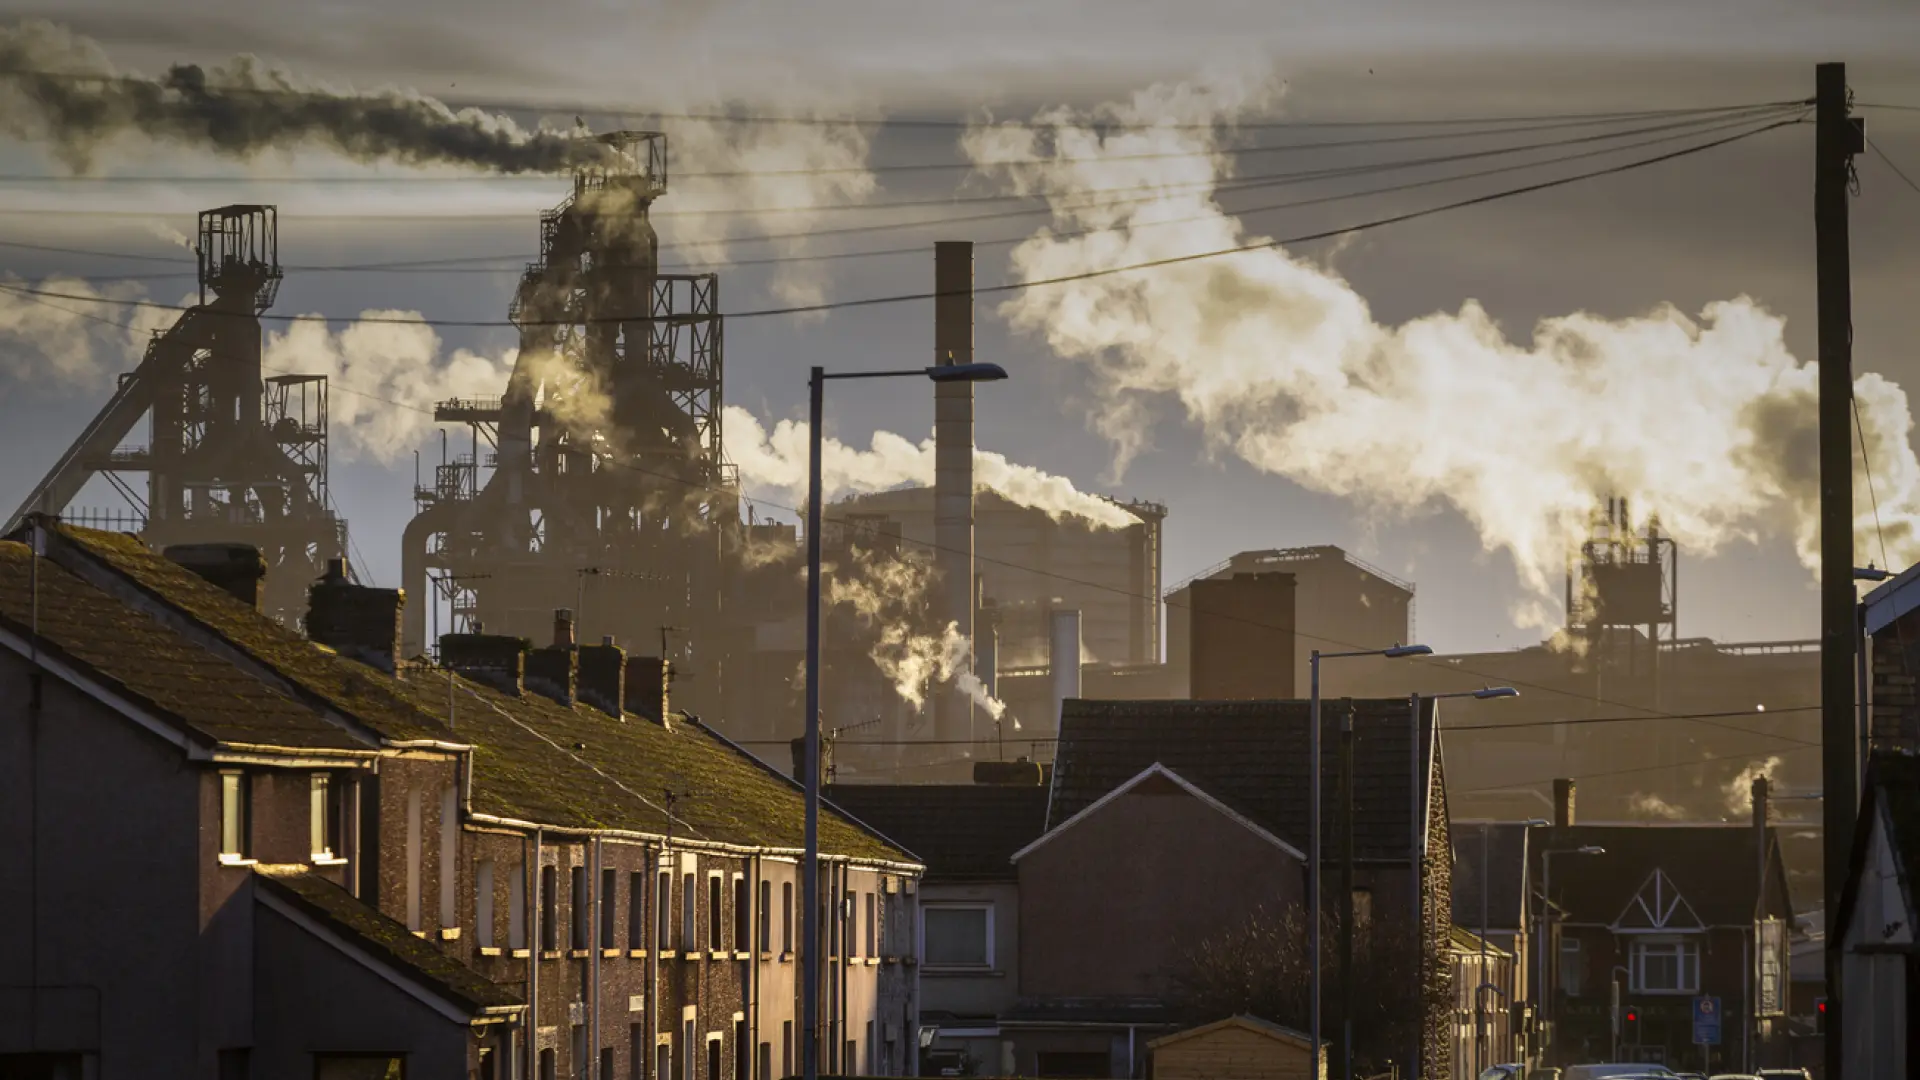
(1346, 889)
(1837, 138)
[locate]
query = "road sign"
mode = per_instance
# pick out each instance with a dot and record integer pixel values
(1706, 1021)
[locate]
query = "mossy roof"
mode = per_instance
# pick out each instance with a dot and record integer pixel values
(367, 694)
(526, 764)
(385, 938)
(536, 760)
(209, 697)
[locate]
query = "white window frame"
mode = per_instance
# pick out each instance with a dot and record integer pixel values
(1564, 974)
(1686, 954)
(319, 816)
(236, 799)
(926, 908)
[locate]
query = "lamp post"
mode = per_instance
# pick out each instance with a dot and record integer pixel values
(1546, 916)
(1313, 856)
(1417, 836)
(810, 868)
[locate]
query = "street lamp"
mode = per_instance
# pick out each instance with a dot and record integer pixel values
(810, 869)
(1313, 857)
(1546, 916)
(1417, 831)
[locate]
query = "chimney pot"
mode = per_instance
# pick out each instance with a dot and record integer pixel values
(497, 660)
(603, 678)
(336, 569)
(1563, 803)
(649, 681)
(563, 628)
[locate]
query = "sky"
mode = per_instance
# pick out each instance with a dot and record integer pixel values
(1730, 223)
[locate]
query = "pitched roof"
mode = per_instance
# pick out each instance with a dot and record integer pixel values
(535, 760)
(207, 697)
(1504, 876)
(1158, 779)
(1893, 786)
(1244, 1022)
(1714, 868)
(385, 938)
(963, 832)
(1252, 756)
(1463, 940)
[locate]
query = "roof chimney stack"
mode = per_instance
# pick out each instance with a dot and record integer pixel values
(1563, 803)
(563, 628)
(495, 660)
(603, 678)
(356, 621)
(236, 569)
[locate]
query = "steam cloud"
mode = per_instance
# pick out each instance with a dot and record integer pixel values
(889, 593)
(1707, 421)
(1739, 790)
(59, 88)
(777, 460)
(64, 342)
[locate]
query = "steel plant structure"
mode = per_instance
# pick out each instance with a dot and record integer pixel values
(233, 456)
(598, 477)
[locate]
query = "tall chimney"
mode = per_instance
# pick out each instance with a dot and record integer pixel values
(1563, 803)
(1063, 660)
(953, 468)
(1762, 796)
(357, 621)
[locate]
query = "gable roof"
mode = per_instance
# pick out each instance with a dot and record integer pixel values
(207, 698)
(137, 618)
(1244, 1022)
(1150, 773)
(384, 939)
(1715, 867)
(1657, 906)
(1892, 792)
(962, 832)
(1252, 756)
(1503, 877)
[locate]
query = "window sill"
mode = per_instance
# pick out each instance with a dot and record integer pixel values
(230, 859)
(551, 954)
(421, 934)
(766, 957)
(521, 954)
(717, 954)
(328, 860)
(743, 956)
(579, 954)
(488, 950)
(609, 953)
(787, 957)
(450, 933)
(636, 954)
(668, 954)
(873, 961)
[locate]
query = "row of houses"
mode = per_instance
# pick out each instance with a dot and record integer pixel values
(235, 852)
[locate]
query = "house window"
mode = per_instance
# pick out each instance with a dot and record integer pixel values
(766, 1062)
(688, 1063)
(609, 908)
(1573, 967)
(713, 1057)
(662, 1061)
(742, 1051)
(483, 903)
(873, 926)
(637, 918)
(716, 924)
(636, 1052)
(414, 843)
(786, 919)
(517, 908)
(550, 909)
(689, 919)
(957, 935)
(323, 817)
(742, 915)
(549, 1065)
(662, 910)
(1666, 966)
(582, 912)
(236, 825)
(579, 1055)
(606, 1062)
(766, 916)
(449, 857)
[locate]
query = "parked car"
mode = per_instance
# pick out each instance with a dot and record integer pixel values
(1616, 1071)
(1784, 1074)
(1733, 1076)
(1503, 1072)
(1545, 1072)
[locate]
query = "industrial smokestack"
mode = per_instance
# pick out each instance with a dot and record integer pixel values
(953, 468)
(1063, 659)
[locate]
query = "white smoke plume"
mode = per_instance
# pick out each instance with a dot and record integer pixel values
(1739, 790)
(60, 88)
(1707, 421)
(1653, 807)
(889, 594)
(72, 344)
(384, 377)
(776, 460)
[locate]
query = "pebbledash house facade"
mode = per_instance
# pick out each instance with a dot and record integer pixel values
(235, 852)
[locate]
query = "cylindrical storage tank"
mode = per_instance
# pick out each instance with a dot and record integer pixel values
(1063, 660)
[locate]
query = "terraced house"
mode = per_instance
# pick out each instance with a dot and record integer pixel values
(234, 851)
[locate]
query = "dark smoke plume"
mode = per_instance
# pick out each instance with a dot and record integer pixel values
(57, 87)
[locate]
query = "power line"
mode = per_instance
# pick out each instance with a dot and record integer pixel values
(1897, 171)
(1017, 286)
(1510, 785)
(518, 261)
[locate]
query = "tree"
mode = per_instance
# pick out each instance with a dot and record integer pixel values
(1259, 967)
